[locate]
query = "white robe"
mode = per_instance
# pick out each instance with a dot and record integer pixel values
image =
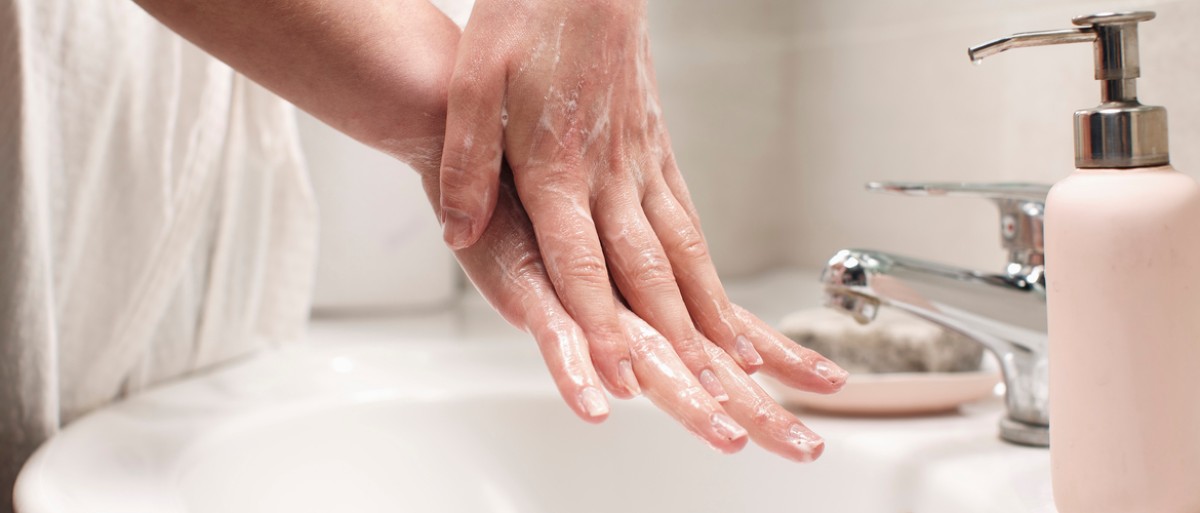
(155, 216)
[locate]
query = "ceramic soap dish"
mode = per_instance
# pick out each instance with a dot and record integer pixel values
(899, 365)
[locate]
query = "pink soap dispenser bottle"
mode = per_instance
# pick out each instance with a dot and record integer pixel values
(1122, 240)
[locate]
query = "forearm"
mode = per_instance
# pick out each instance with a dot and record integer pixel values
(377, 70)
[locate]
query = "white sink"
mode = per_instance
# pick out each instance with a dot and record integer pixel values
(356, 421)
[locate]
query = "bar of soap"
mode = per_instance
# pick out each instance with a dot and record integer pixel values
(894, 342)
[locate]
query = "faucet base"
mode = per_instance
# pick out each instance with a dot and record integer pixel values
(1022, 433)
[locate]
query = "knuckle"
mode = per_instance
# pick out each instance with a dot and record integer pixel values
(553, 190)
(463, 182)
(527, 269)
(651, 270)
(640, 339)
(691, 246)
(715, 355)
(520, 288)
(558, 180)
(555, 185)
(644, 342)
(607, 342)
(692, 350)
(581, 265)
(454, 175)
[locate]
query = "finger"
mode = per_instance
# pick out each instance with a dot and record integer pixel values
(556, 201)
(673, 177)
(696, 276)
(470, 171)
(643, 274)
(770, 425)
(520, 290)
(565, 351)
(789, 362)
(672, 387)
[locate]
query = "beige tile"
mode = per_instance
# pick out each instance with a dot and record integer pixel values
(724, 106)
(780, 111)
(900, 102)
(902, 106)
(709, 20)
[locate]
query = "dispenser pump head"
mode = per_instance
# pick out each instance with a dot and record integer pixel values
(1120, 132)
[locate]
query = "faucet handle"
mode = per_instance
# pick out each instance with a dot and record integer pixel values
(1021, 212)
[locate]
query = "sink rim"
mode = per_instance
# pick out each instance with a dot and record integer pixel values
(317, 375)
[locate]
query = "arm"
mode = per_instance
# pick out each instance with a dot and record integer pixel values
(380, 72)
(368, 68)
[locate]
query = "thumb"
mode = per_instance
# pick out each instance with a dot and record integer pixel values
(471, 155)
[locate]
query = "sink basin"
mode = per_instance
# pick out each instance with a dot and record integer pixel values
(470, 427)
(448, 421)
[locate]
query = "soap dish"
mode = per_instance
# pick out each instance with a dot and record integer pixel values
(893, 394)
(899, 364)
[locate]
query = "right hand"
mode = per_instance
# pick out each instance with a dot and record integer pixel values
(564, 90)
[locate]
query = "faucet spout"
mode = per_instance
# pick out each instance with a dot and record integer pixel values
(1006, 313)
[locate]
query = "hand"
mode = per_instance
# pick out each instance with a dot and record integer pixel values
(564, 90)
(506, 266)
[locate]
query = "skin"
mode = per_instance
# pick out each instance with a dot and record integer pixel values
(565, 91)
(381, 72)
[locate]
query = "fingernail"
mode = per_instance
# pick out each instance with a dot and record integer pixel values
(593, 402)
(746, 351)
(725, 427)
(457, 228)
(809, 443)
(709, 381)
(831, 372)
(628, 378)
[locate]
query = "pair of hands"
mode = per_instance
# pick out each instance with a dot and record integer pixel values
(591, 242)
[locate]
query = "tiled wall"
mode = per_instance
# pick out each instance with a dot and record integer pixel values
(726, 79)
(781, 110)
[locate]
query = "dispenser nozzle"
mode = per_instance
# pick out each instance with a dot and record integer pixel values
(1121, 132)
(1024, 39)
(1116, 48)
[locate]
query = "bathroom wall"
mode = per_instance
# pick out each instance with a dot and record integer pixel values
(890, 94)
(380, 246)
(726, 71)
(726, 77)
(780, 111)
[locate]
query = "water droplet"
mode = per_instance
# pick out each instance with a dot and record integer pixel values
(976, 61)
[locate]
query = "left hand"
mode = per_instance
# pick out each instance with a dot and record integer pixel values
(506, 266)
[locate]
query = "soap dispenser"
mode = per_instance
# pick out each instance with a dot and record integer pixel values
(1122, 249)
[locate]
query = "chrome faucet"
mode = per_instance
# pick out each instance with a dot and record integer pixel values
(1006, 311)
